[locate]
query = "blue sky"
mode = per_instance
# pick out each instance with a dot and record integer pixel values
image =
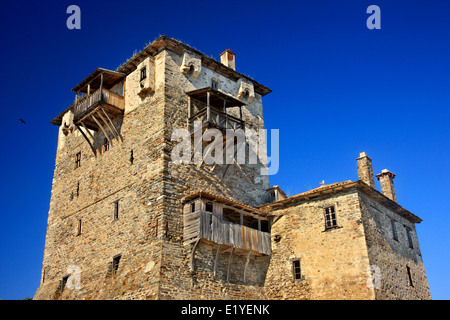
(338, 89)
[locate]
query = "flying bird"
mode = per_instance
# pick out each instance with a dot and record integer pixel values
(23, 121)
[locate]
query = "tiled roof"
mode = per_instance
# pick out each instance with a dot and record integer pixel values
(228, 201)
(342, 186)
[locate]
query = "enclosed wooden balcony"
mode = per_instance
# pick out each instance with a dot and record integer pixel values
(226, 222)
(211, 107)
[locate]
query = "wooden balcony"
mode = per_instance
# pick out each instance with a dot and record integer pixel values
(216, 119)
(211, 107)
(99, 106)
(226, 222)
(112, 103)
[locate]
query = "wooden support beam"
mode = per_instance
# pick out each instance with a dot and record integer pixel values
(208, 108)
(101, 85)
(110, 126)
(189, 110)
(246, 265)
(90, 144)
(208, 149)
(109, 119)
(101, 127)
(191, 266)
(87, 130)
(216, 259)
(229, 264)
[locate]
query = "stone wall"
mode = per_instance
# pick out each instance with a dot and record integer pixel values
(333, 262)
(88, 194)
(148, 234)
(180, 179)
(391, 258)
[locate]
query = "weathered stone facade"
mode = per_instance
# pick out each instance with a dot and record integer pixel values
(116, 224)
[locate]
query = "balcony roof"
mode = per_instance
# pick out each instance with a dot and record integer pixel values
(261, 212)
(110, 78)
(333, 189)
(216, 97)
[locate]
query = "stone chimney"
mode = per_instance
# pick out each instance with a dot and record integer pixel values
(386, 179)
(365, 170)
(228, 58)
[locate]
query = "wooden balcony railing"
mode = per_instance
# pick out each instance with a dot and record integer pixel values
(101, 96)
(210, 226)
(216, 119)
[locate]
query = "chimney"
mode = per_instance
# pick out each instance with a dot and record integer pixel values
(386, 179)
(365, 170)
(228, 58)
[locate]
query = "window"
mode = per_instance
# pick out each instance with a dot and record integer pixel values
(62, 283)
(78, 160)
(209, 207)
(192, 206)
(408, 269)
(79, 227)
(143, 73)
(116, 210)
(214, 84)
(78, 189)
(330, 218)
(394, 230)
(408, 235)
(296, 271)
(115, 263)
(131, 157)
(113, 266)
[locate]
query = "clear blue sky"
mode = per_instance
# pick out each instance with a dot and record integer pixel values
(338, 89)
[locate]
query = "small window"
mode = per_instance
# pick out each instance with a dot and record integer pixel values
(78, 160)
(113, 266)
(78, 189)
(214, 84)
(209, 207)
(131, 157)
(79, 227)
(116, 210)
(143, 73)
(296, 271)
(62, 283)
(394, 230)
(408, 269)
(192, 206)
(330, 218)
(408, 235)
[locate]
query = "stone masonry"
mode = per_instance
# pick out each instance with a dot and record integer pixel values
(126, 222)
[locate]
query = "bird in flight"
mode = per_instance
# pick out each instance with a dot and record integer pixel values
(23, 121)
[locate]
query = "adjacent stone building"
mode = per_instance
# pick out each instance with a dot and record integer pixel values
(128, 222)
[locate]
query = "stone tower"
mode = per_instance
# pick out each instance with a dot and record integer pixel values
(115, 223)
(128, 221)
